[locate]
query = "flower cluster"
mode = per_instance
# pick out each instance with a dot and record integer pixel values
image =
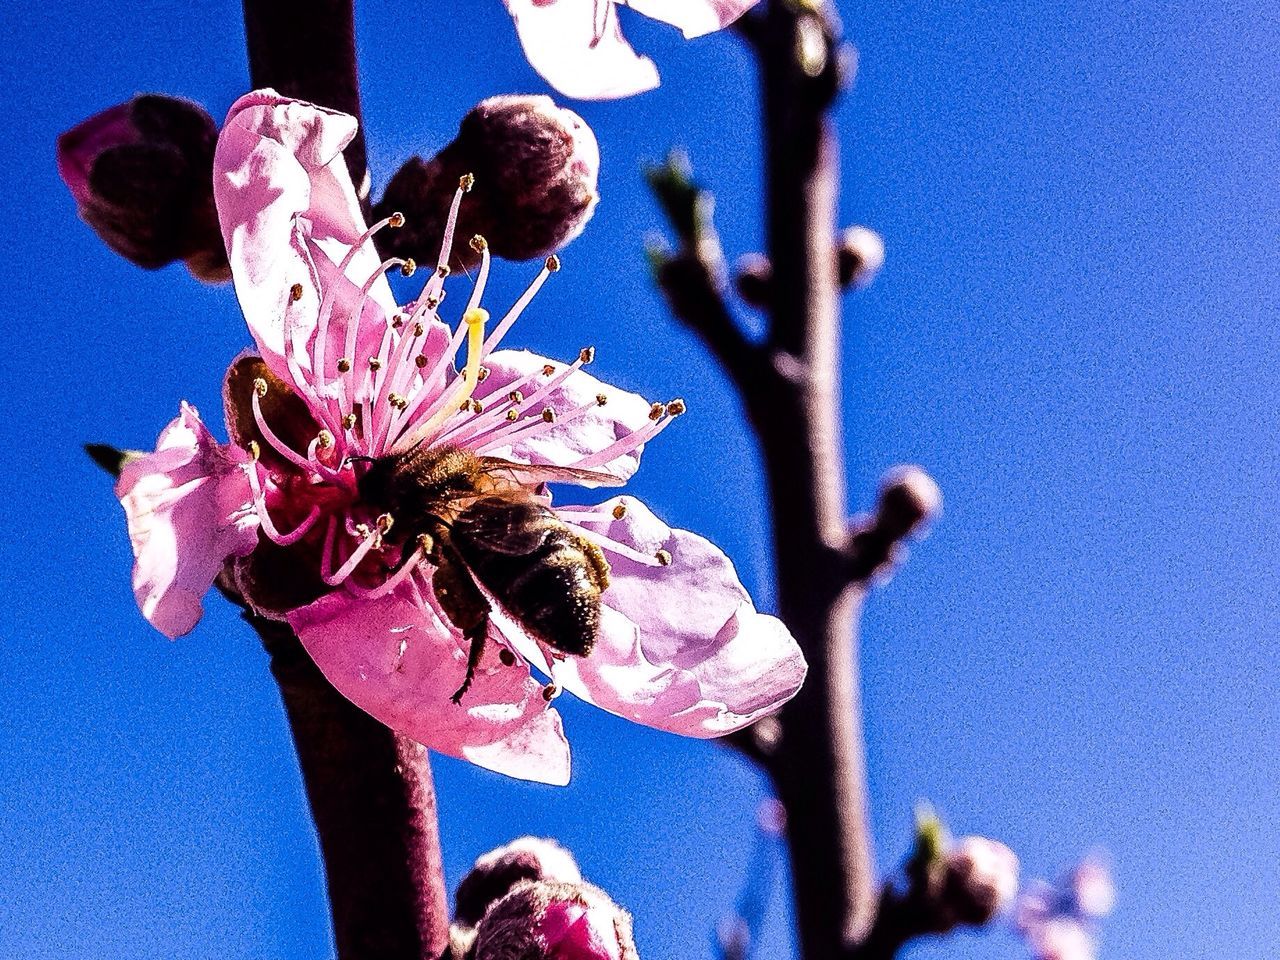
(344, 380)
(1059, 922)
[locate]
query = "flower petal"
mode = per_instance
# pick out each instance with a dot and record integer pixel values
(289, 214)
(579, 53)
(569, 440)
(694, 17)
(680, 647)
(188, 508)
(393, 658)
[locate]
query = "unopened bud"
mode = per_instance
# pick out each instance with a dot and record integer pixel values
(1095, 892)
(754, 280)
(141, 174)
(1063, 938)
(555, 921)
(909, 500)
(495, 873)
(861, 256)
(535, 167)
(981, 879)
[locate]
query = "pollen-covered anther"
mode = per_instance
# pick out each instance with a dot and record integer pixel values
(255, 450)
(397, 401)
(466, 182)
(515, 396)
(409, 267)
(433, 302)
(397, 321)
(548, 370)
(395, 221)
(443, 270)
(344, 365)
(362, 530)
(479, 243)
(601, 399)
(349, 421)
(260, 386)
(676, 407)
(586, 355)
(619, 511)
(295, 292)
(512, 416)
(553, 264)
(663, 557)
(385, 522)
(375, 364)
(420, 361)
(657, 410)
(507, 657)
(548, 415)
(482, 375)
(550, 692)
(477, 406)
(424, 542)
(324, 439)
(419, 329)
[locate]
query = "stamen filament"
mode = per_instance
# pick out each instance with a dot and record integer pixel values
(461, 389)
(372, 539)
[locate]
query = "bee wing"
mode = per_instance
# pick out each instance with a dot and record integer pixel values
(535, 473)
(513, 525)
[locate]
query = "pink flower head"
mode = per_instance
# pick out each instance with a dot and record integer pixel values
(344, 381)
(578, 47)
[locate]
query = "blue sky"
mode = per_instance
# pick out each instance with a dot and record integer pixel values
(1075, 333)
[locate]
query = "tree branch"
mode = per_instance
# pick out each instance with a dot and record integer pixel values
(307, 49)
(370, 791)
(374, 805)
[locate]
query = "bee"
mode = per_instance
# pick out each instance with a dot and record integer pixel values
(488, 536)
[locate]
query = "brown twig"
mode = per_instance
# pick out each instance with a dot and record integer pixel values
(790, 385)
(371, 791)
(307, 49)
(374, 806)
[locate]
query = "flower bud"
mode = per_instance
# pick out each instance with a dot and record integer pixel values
(1095, 893)
(535, 166)
(861, 257)
(1063, 939)
(495, 873)
(981, 879)
(555, 921)
(141, 174)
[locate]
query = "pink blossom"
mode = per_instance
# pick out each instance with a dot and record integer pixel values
(188, 510)
(1060, 922)
(578, 47)
(345, 375)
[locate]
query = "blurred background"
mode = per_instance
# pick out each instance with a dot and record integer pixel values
(1075, 332)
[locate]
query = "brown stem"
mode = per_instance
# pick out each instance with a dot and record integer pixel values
(307, 49)
(818, 767)
(374, 806)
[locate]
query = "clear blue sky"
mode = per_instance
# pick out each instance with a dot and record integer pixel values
(1075, 332)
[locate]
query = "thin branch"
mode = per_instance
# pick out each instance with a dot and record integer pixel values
(374, 805)
(693, 298)
(307, 49)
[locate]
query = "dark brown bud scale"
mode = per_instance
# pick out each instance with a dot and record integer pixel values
(535, 167)
(141, 174)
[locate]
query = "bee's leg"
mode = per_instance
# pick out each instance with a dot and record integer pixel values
(466, 606)
(476, 638)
